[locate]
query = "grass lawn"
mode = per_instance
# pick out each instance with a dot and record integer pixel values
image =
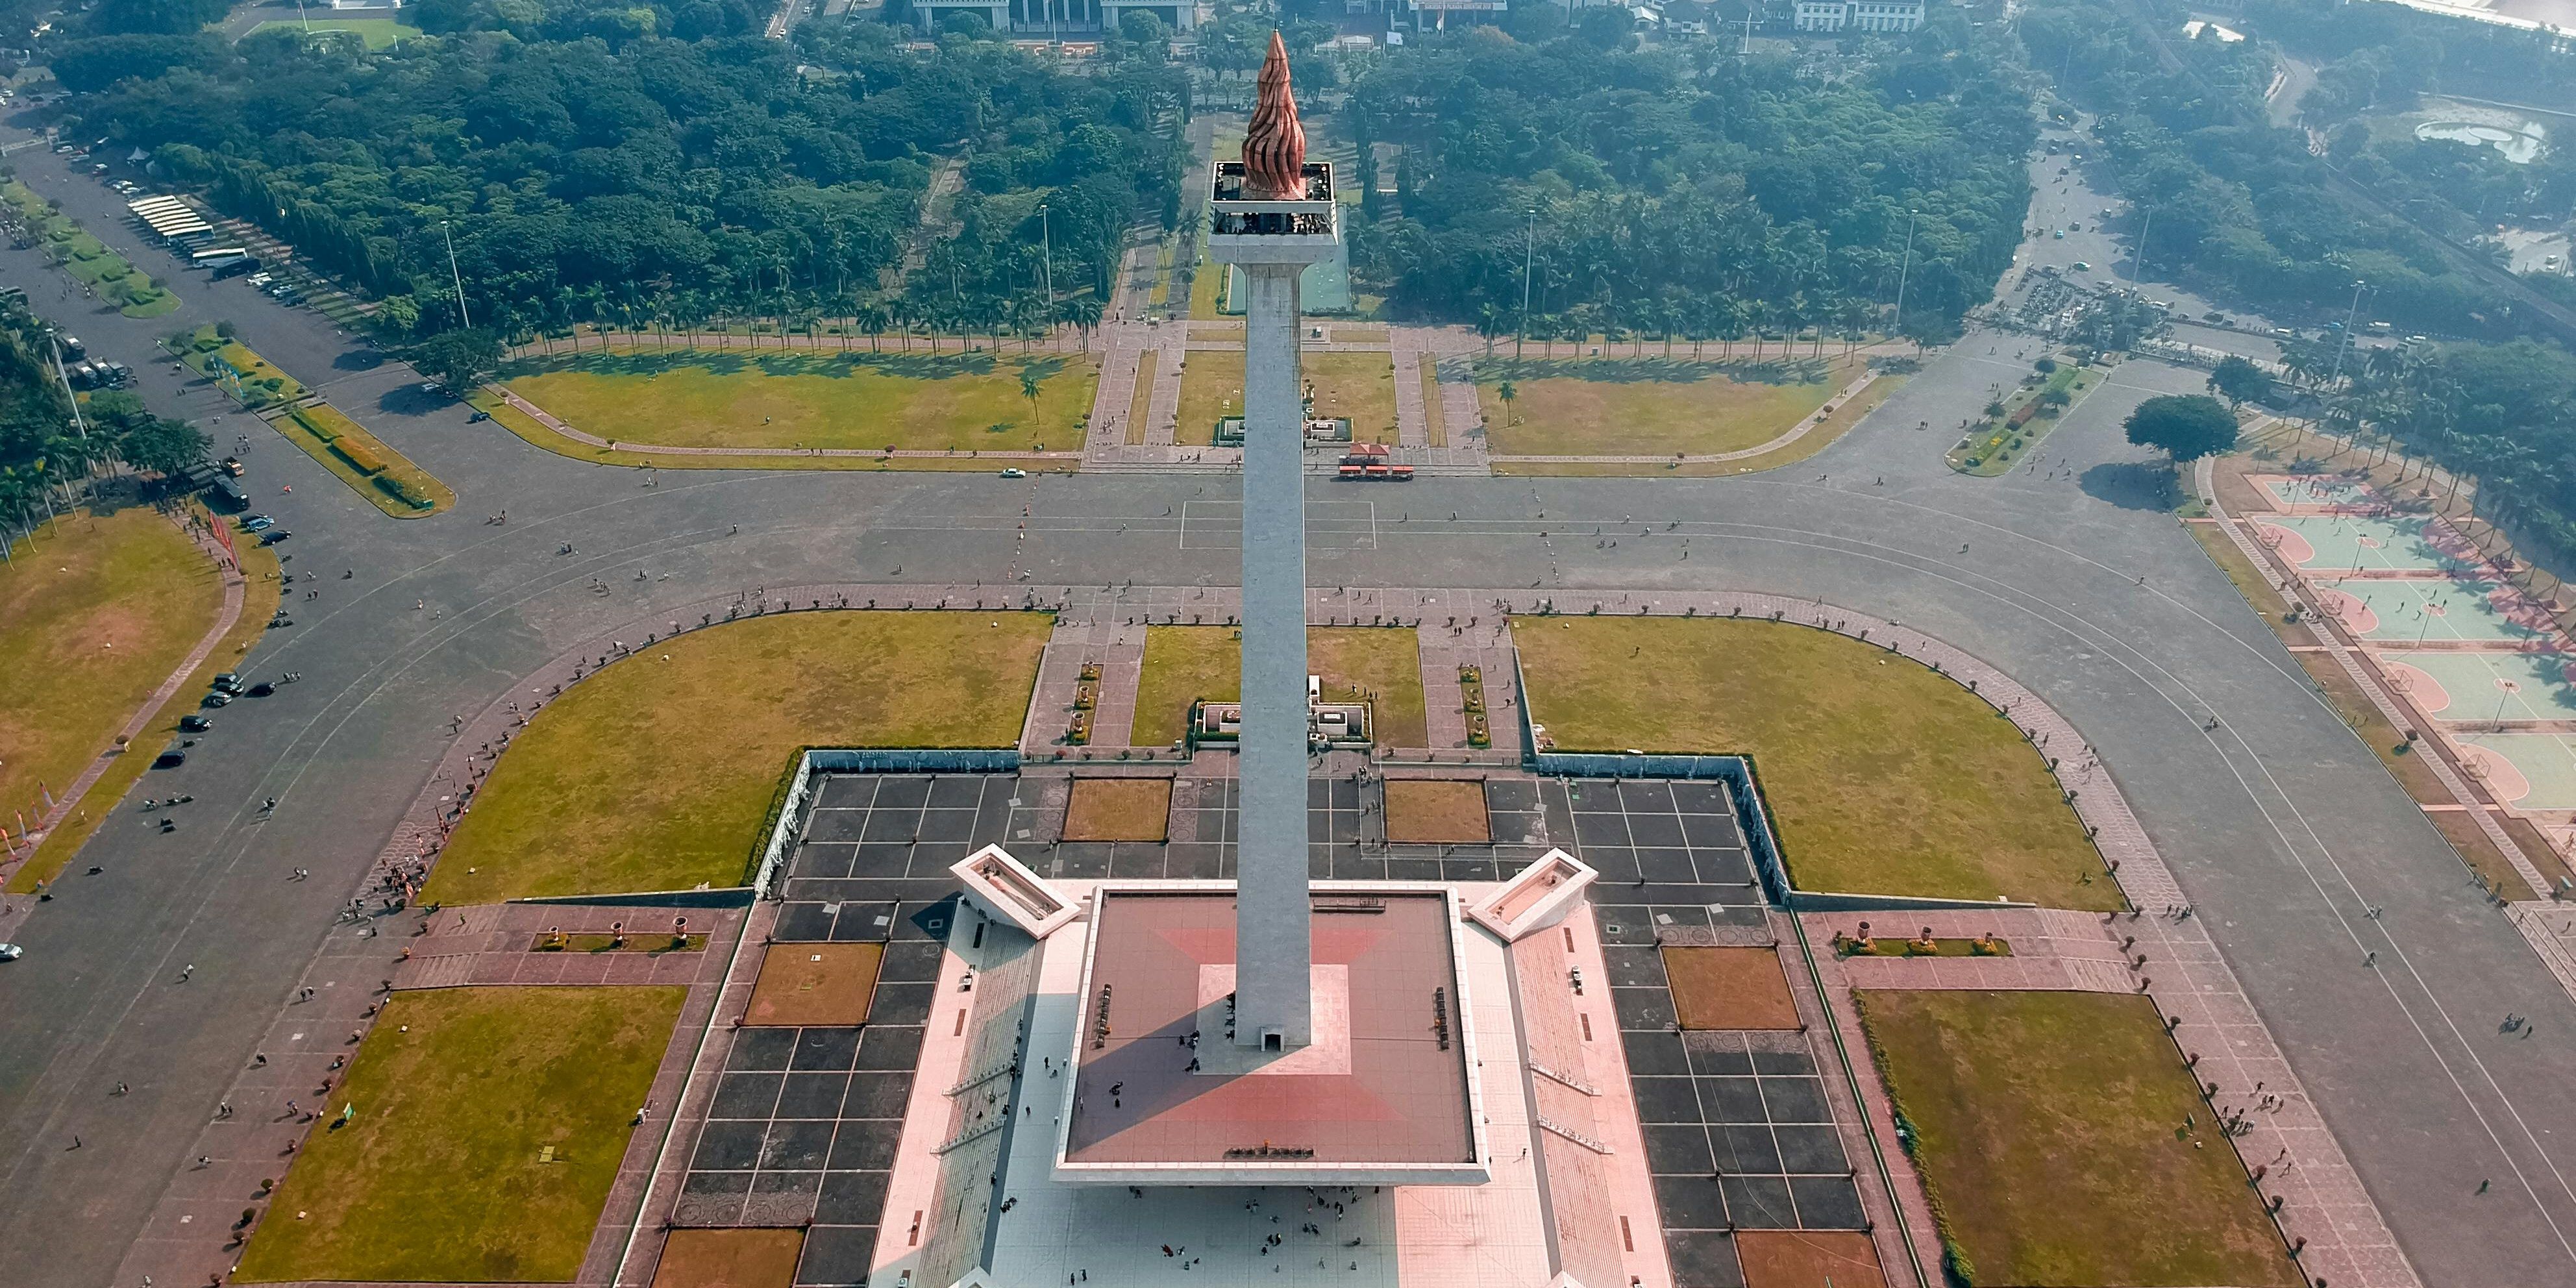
(815, 984)
(1648, 406)
(655, 772)
(1118, 809)
(1437, 811)
(1992, 445)
(1185, 664)
(259, 599)
(537, 435)
(385, 477)
(489, 1126)
(1728, 988)
(379, 33)
(88, 259)
(1882, 776)
(1358, 385)
(261, 384)
(679, 397)
(1846, 415)
(731, 1258)
(95, 612)
(2050, 1130)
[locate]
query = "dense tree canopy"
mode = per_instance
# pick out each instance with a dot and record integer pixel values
(664, 161)
(1677, 191)
(41, 447)
(2185, 427)
(2246, 203)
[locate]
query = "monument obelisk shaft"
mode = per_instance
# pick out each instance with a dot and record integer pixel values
(1273, 953)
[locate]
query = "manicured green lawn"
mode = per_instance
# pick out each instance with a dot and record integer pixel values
(2063, 1142)
(1647, 406)
(88, 259)
(1882, 776)
(1185, 664)
(445, 1173)
(362, 459)
(1358, 385)
(379, 33)
(95, 612)
(961, 402)
(655, 774)
(259, 384)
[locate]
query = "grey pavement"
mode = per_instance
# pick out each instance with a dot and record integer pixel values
(2280, 826)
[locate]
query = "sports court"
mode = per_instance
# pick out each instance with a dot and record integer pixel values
(2320, 491)
(2410, 610)
(2527, 770)
(2456, 685)
(2354, 543)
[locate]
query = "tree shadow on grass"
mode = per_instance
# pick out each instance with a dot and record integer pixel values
(2131, 485)
(1677, 371)
(727, 362)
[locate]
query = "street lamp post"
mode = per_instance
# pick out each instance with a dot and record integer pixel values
(1529, 257)
(455, 276)
(2138, 260)
(2350, 316)
(1905, 269)
(1046, 243)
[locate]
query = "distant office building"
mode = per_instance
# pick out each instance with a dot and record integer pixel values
(1859, 15)
(1057, 18)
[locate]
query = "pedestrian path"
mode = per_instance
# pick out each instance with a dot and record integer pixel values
(1812, 423)
(236, 593)
(2050, 949)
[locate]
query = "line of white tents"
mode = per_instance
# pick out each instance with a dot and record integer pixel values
(170, 217)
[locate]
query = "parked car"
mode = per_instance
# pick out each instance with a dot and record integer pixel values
(258, 523)
(195, 723)
(1015, 472)
(229, 682)
(11, 952)
(170, 759)
(273, 536)
(216, 699)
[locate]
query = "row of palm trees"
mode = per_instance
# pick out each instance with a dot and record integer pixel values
(682, 317)
(1788, 325)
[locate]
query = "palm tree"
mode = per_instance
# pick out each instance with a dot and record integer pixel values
(872, 319)
(1508, 392)
(1029, 389)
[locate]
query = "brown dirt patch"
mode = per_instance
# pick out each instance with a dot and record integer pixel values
(819, 984)
(1436, 811)
(1808, 1259)
(1729, 988)
(729, 1259)
(1119, 809)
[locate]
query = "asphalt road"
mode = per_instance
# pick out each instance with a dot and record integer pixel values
(2281, 825)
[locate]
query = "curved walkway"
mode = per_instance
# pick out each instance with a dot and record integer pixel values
(1815, 420)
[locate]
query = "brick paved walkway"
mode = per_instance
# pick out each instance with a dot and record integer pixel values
(2052, 949)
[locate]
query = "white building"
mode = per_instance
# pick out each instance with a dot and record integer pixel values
(1859, 15)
